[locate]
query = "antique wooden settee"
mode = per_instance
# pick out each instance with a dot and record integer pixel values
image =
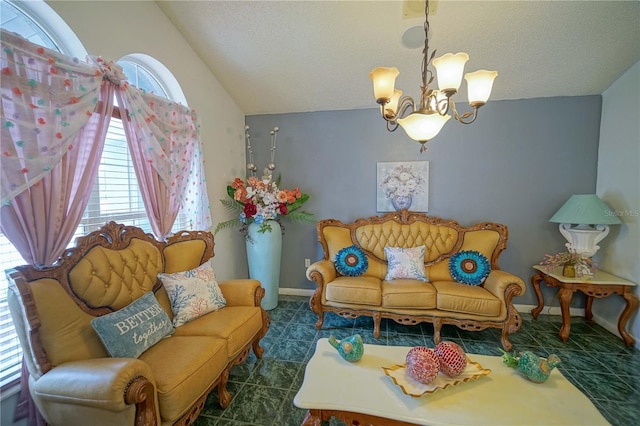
(439, 301)
(73, 380)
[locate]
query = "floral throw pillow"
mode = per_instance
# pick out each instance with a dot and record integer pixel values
(193, 293)
(405, 263)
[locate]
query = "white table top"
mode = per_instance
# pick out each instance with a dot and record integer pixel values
(600, 277)
(502, 397)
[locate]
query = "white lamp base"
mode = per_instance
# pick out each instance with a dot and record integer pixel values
(583, 239)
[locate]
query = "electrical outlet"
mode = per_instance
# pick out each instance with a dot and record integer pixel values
(307, 263)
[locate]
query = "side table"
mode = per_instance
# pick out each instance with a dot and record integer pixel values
(601, 285)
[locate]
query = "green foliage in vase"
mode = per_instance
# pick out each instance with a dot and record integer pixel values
(260, 200)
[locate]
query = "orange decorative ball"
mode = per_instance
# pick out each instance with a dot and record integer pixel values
(453, 360)
(422, 364)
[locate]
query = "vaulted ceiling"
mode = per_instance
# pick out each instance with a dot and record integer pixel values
(298, 56)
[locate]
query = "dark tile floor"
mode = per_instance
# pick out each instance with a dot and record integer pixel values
(593, 359)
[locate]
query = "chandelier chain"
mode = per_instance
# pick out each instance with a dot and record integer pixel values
(424, 120)
(427, 76)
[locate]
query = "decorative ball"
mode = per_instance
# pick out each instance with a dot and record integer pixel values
(251, 167)
(422, 364)
(453, 360)
(271, 166)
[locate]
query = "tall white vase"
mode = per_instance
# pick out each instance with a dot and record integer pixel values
(264, 252)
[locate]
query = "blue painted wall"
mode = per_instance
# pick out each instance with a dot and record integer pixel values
(516, 165)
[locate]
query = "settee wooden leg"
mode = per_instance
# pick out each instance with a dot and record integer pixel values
(257, 349)
(376, 325)
(437, 325)
(316, 306)
(266, 324)
(512, 324)
(320, 320)
(504, 339)
(224, 397)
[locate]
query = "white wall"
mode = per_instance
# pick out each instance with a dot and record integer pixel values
(113, 29)
(618, 184)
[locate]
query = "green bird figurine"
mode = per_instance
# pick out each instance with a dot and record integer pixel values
(533, 367)
(350, 348)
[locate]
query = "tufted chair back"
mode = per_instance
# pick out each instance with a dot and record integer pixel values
(106, 271)
(441, 238)
(113, 278)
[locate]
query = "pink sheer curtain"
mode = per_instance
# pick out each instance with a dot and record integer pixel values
(163, 138)
(41, 220)
(55, 112)
(46, 99)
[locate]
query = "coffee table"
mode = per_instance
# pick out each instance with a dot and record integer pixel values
(361, 393)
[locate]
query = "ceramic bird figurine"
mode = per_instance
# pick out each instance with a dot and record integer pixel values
(350, 348)
(533, 367)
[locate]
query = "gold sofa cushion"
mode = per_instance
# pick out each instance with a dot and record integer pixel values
(469, 299)
(237, 325)
(407, 293)
(65, 329)
(183, 256)
(184, 368)
(361, 290)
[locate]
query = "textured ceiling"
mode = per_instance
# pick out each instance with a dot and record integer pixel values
(298, 56)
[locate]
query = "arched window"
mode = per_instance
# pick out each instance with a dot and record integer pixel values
(140, 77)
(116, 194)
(138, 63)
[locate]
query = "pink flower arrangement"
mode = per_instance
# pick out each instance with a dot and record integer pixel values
(260, 200)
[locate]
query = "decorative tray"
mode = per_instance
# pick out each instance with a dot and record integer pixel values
(409, 386)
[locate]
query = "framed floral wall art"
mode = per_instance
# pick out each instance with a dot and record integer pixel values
(403, 185)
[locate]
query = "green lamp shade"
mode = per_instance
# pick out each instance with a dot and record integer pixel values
(586, 209)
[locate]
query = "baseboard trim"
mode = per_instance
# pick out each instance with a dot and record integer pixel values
(609, 326)
(286, 291)
(550, 310)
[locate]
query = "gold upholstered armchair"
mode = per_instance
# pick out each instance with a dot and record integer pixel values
(158, 372)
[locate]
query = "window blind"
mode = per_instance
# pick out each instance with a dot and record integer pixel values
(10, 351)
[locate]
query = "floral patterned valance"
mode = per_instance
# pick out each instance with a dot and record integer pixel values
(47, 98)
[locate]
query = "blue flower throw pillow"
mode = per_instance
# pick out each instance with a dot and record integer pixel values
(129, 332)
(351, 261)
(469, 267)
(193, 293)
(405, 263)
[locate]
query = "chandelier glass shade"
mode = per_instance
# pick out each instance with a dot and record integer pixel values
(423, 120)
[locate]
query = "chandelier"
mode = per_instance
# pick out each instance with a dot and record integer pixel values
(423, 121)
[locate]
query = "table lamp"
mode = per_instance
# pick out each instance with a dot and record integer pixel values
(592, 218)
